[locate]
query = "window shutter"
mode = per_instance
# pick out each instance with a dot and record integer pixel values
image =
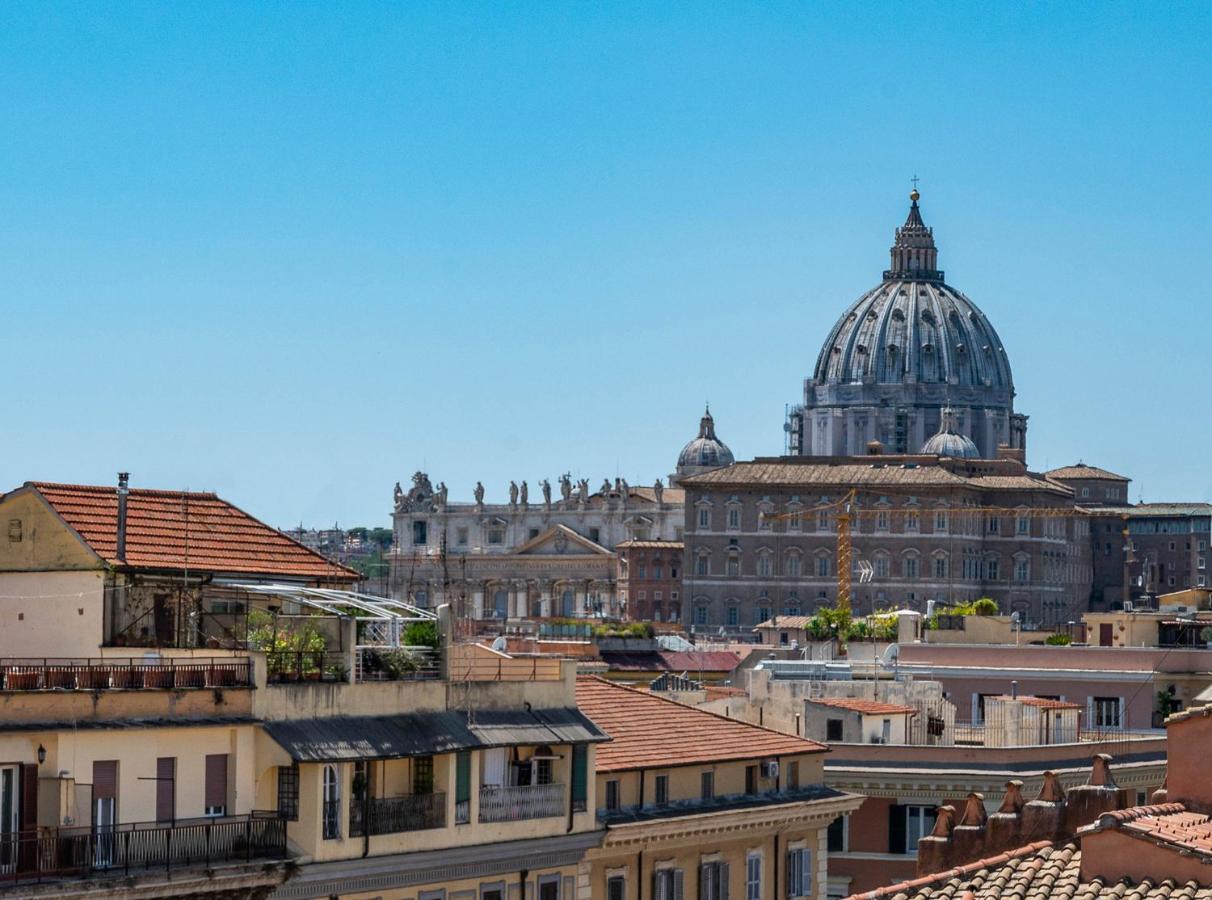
(105, 779)
(216, 780)
(166, 788)
(580, 773)
(805, 873)
(722, 888)
(677, 884)
(1123, 721)
(658, 886)
(27, 819)
(705, 873)
(494, 766)
(1090, 723)
(792, 877)
(896, 828)
(463, 777)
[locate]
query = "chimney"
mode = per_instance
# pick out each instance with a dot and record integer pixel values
(123, 491)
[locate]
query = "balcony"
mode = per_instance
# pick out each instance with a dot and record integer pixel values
(393, 815)
(515, 804)
(67, 853)
(108, 674)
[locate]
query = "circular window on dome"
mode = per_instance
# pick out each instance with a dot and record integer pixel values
(928, 317)
(898, 316)
(927, 348)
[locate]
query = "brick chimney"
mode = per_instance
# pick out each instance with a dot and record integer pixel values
(1188, 737)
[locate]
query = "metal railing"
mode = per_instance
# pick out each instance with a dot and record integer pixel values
(504, 668)
(392, 815)
(397, 664)
(105, 674)
(288, 666)
(123, 849)
(514, 804)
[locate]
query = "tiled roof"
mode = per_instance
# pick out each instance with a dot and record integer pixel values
(671, 496)
(650, 545)
(183, 530)
(786, 622)
(1189, 713)
(866, 707)
(1169, 824)
(792, 473)
(1083, 471)
(1041, 702)
(648, 730)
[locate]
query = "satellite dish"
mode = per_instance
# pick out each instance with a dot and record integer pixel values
(499, 644)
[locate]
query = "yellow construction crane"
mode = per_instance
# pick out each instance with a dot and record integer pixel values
(847, 512)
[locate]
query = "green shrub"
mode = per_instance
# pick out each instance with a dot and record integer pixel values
(985, 607)
(1058, 640)
(421, 634)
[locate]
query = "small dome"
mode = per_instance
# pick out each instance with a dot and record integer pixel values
(949, 442)
(706, 451)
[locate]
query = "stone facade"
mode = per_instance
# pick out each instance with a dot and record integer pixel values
(911, 523)
(650, 580)
(530, 557)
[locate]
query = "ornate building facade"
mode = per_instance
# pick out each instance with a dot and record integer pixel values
(898, 356)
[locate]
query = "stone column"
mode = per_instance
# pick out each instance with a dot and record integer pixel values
(580, 600)
(545, 598)
(519, 600)
(477, 600)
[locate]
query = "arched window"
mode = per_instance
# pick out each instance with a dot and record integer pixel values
(764, 566)
(793, 567)
(500, 604)
(331, 811)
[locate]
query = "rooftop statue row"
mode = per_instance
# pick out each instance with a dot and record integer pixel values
(422, 496)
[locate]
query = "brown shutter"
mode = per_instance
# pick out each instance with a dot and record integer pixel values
(105, 779)
(216, 780)
(166, 788)
(27, 819)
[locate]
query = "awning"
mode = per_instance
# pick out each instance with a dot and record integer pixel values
(427, 734)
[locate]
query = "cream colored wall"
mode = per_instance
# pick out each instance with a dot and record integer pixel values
(396, 781)
(45, 544)
(1127, 629)
(70, 754)
(685, 782)
(110, 705)
(689, 851)
(873, 728)
(59, 614)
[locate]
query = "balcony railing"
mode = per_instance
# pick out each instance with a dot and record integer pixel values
(287, 666)
(107, 673)
(392, 815)
(125, 849)
(513, 804)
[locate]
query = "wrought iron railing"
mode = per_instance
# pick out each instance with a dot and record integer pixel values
(105, 673)
(391, 815)
(123, 849)
(513, 804)
(286, 666)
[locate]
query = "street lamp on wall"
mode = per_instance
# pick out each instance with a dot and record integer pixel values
(41, 754)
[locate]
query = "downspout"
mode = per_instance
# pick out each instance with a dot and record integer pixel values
(522, 883)
(572, 785)
(639, 874)
(366, 811)
(641, 788)
(776, 866)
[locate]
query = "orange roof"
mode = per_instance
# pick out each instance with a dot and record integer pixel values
(867, 707)
(648, 730)
(1042, 702)
(183, 530)
(1170, 824)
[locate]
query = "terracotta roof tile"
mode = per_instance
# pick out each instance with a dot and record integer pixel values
(786, 622)
(867, 707)
(1083, 471)
(183, 529)
(1041, 702)
(649, 730)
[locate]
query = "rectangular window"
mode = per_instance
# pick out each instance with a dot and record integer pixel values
(753, 877)
(751, 779)
(993, 525)
(288, 792)
(707, 785)
(881, 520)
(667, 884)
(837, 835)
(822, 567)
(704, 518)
(907, 825)
(216, 784)
(494, 891)
(496, 535)
(1022, 525)
(461, 536)
(822, 520)
(799, 873)
(734, 519)
(700, 565)
(422, 775)
(700, 615)
(549, 887)
(734, 615)
(911, 522)
(713, 881)
(595, 535)
(420, 533)
(612, 794)
(793, 776)
(940, 522)
(833, 729)
(661, 790)
(616, 888)
(580, 777)
(1108, 712)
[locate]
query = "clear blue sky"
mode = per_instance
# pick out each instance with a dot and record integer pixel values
(294, 252)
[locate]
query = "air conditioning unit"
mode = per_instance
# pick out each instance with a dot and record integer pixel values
(770, 768)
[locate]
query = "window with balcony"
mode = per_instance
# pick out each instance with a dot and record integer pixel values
(331, 803)
(1107, 712)
(216, 784)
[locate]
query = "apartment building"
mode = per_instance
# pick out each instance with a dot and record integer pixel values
(698, 805)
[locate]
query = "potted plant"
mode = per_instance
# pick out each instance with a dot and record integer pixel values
(1205, 635)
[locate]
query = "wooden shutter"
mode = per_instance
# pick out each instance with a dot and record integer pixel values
(166, 788)
(463, 777)
(216, 781)
(493, 761)
(721, 889)
(678, 884)
(896, 828)
(105, 779)
(580, 775)
(27, 819)
(705, 876)
(805, 873)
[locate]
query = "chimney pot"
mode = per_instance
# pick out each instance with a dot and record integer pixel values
(123, 492)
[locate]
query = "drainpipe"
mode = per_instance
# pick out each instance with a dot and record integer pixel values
(123, 491)
(639, 875)
(776, 865)
(641, 788)
(522, 883)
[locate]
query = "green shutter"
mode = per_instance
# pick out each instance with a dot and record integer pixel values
(463, 777)
(580, 772)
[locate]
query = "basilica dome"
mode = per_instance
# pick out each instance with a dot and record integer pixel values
(705, 452)
(898, 355)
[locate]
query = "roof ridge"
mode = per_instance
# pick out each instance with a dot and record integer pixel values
(112, 490)
(945, 875)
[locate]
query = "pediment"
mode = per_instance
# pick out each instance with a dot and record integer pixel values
(560, 540)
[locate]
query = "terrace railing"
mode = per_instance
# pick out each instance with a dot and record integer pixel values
(514, 804)
(391, 815)
(109, 673)
(147, 846)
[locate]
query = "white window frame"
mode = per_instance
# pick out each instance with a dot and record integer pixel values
(753, 875)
